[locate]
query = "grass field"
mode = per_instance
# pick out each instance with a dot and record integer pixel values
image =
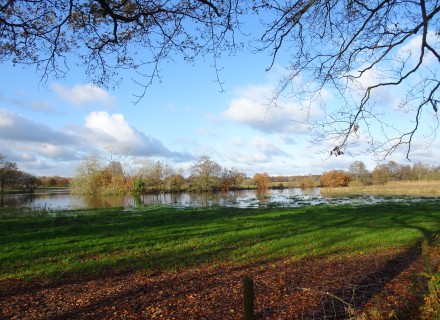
(37, 244)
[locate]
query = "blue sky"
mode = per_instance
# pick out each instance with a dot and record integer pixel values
(48, 128)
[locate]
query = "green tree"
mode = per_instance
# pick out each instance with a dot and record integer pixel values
(138, 185)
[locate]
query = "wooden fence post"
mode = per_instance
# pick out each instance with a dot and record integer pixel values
(248, 298)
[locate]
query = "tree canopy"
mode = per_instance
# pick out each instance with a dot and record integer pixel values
(360, 52)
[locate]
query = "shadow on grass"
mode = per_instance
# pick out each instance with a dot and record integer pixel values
(167, 238)
(108, 244)
(178, 292)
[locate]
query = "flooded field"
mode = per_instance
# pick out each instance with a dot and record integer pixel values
(294, 197)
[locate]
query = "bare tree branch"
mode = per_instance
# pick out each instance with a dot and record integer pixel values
(357, 49)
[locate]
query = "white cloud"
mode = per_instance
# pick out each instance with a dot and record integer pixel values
(267, 147)
(5, 120)
(249, 158)
(36, 146)
(15, 127)
(399, 62)
(113, 126)
(251, 107)
(84, 94)
(410, 52)
(41, 106)
(106, 129)
(207, 132)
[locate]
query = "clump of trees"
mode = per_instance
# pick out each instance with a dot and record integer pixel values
(158, 176)
(95, 176)
(11, 178)
(208, 175)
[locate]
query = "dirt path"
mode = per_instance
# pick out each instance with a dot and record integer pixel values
(306, 289)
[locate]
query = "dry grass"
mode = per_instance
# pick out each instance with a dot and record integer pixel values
(423, 188)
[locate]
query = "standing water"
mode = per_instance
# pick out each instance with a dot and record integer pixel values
(293, 197)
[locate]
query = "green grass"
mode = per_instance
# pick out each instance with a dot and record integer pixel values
(37, 244)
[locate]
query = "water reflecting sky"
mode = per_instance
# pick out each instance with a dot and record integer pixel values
(244, 198)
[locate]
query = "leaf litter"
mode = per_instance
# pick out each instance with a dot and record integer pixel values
(364, 286)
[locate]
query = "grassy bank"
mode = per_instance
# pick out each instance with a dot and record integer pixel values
(426, 188)
(89, 241)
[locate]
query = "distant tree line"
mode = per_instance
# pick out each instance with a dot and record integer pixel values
(358, 175)
(106, 175)
(54, 182)
(98, 176)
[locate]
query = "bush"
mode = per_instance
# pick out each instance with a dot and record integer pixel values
(334, 178)
(138, 185)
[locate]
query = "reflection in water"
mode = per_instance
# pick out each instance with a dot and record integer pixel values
(263, 196)
(243, 198)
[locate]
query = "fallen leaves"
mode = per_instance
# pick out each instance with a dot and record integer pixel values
(364, 285)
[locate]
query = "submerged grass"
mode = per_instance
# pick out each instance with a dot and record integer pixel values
(89, 241)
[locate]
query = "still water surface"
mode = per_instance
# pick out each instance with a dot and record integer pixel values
(244, 198)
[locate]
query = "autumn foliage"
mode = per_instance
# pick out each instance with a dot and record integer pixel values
(334, 178)
(262, 180)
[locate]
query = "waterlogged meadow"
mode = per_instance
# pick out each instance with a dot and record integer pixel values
(38, 244)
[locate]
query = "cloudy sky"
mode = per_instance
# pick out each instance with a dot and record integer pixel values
(49, 127)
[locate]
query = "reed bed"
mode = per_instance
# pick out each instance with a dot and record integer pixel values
(422, 188)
